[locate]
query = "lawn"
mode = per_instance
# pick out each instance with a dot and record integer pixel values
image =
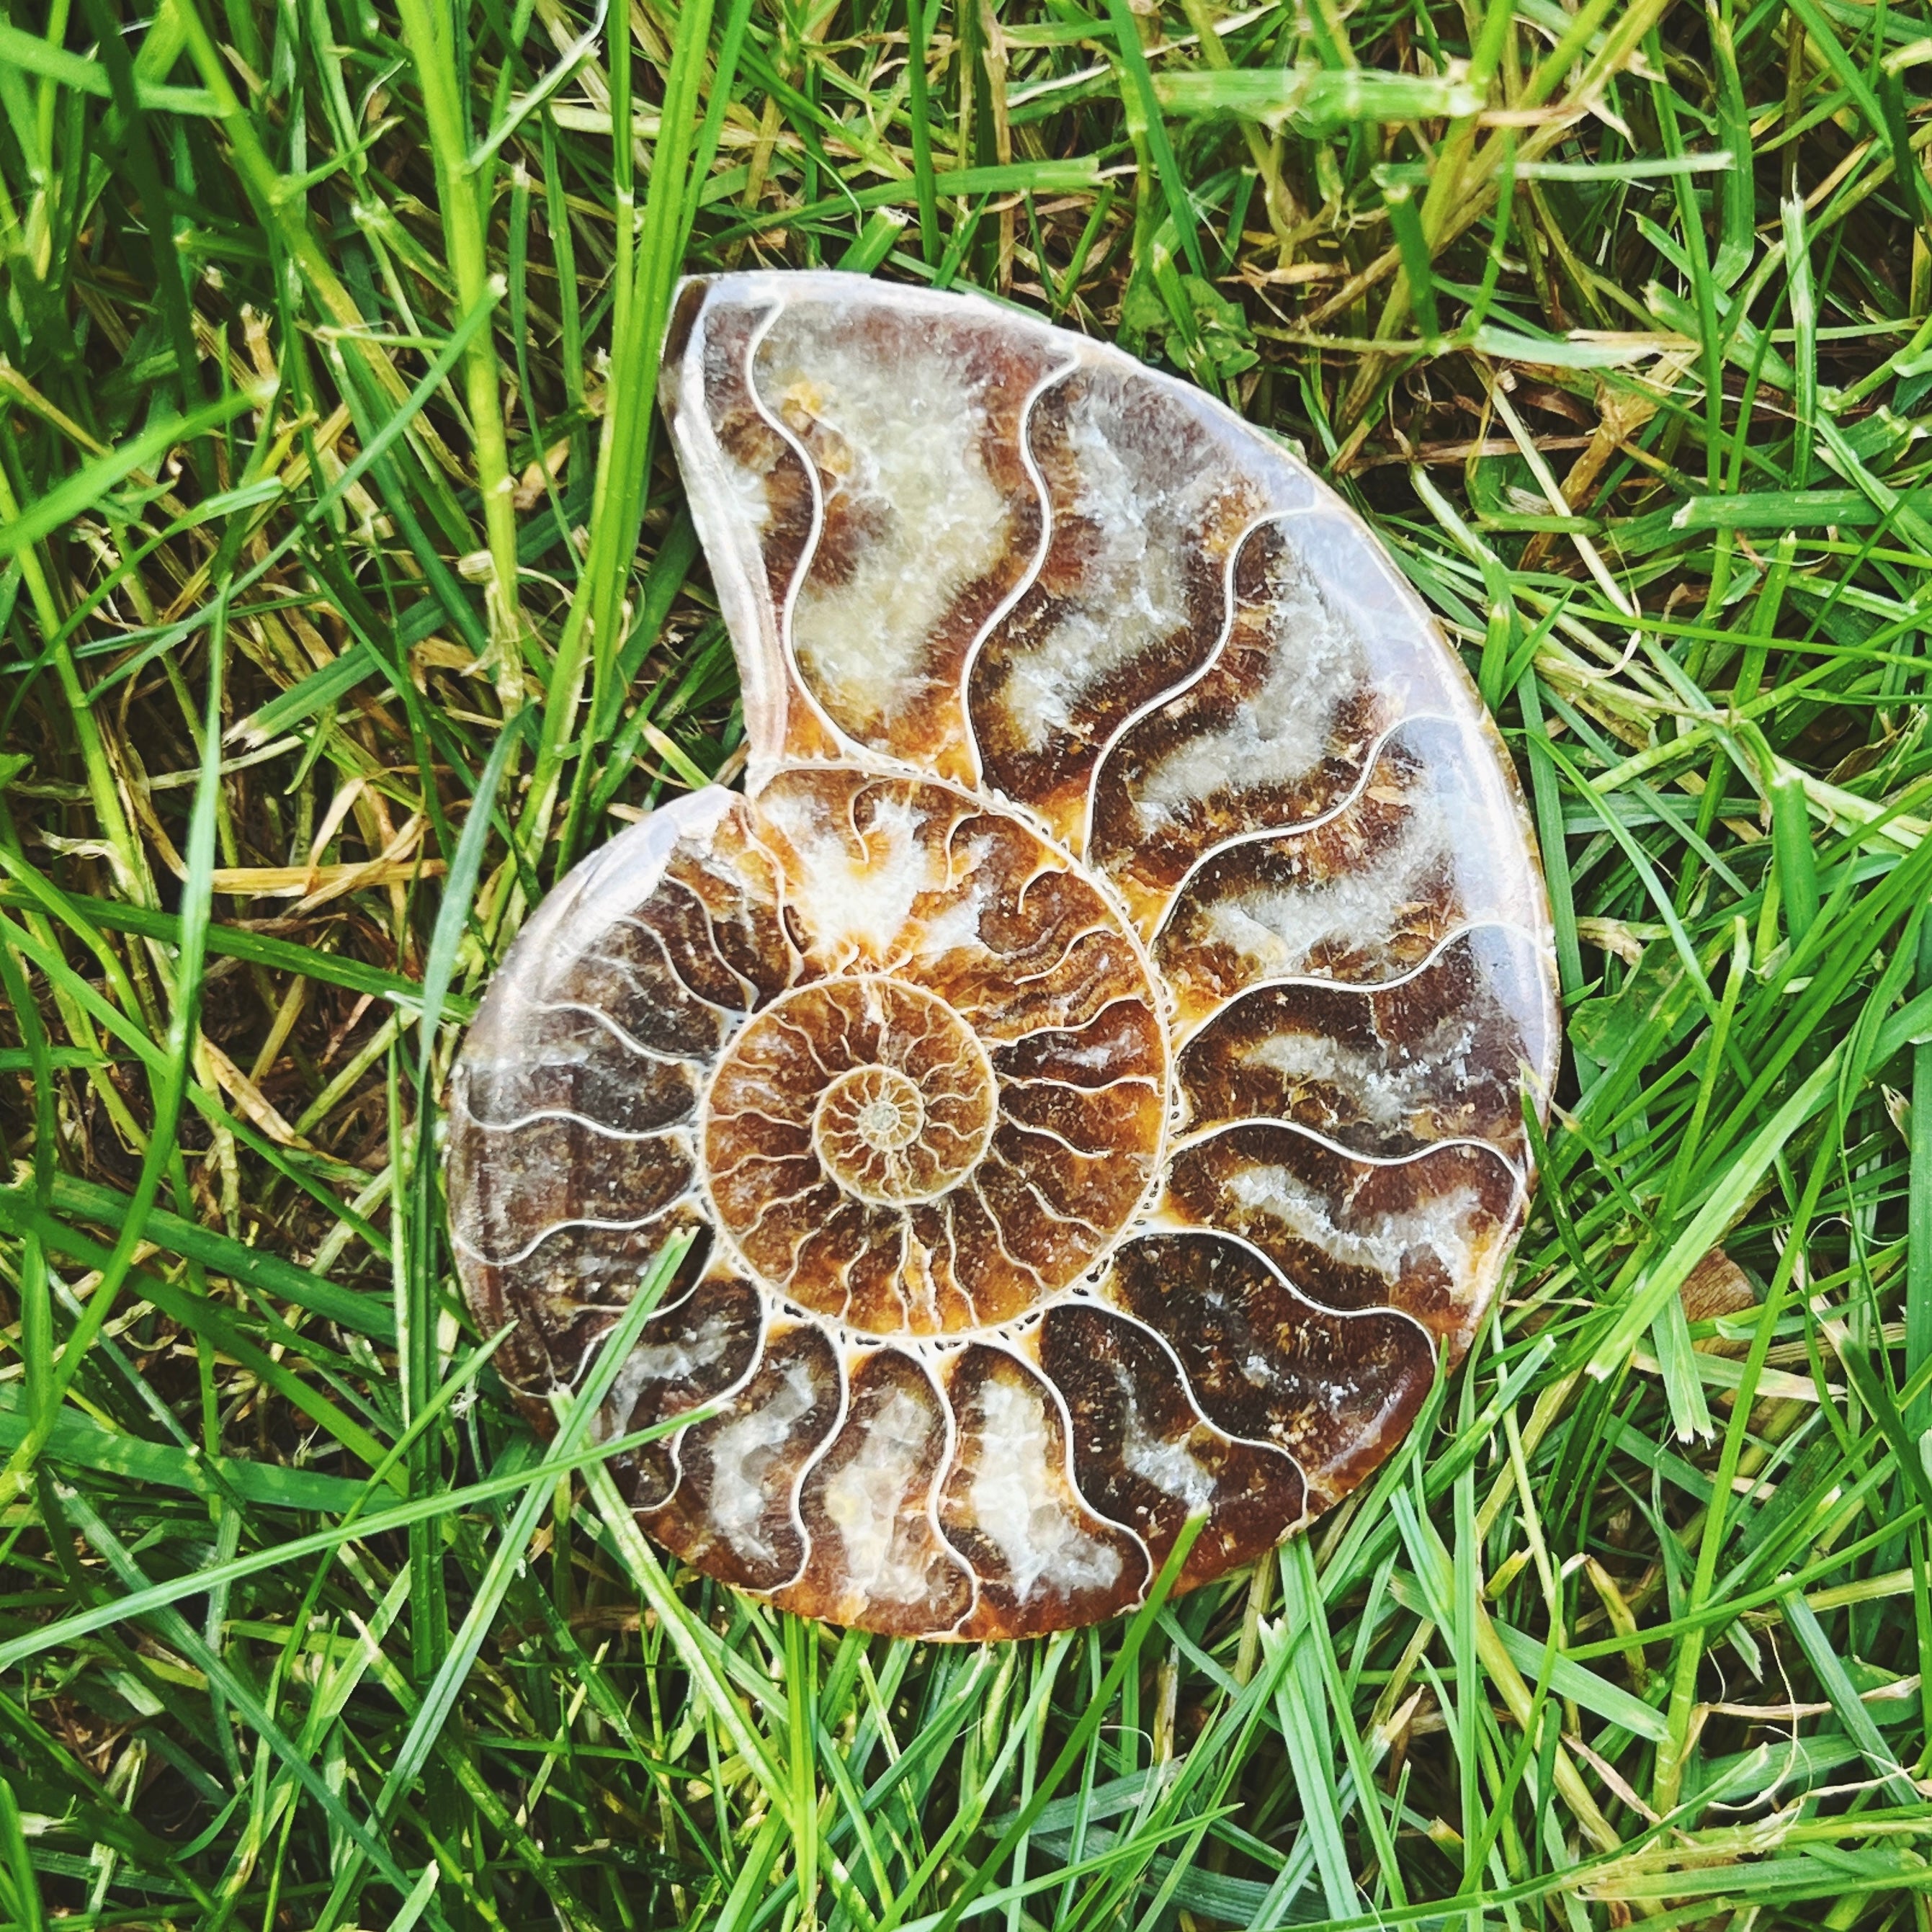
(349, 598)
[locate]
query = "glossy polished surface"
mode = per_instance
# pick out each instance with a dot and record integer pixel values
(1093, 1044)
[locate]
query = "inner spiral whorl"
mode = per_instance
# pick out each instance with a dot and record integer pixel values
(842, 1117)
(906, 1126)
(867, 1133)
(870, 1159)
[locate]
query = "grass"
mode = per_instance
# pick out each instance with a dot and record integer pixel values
(348, 598)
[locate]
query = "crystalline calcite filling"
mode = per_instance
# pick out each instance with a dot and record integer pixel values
(1093, 1046)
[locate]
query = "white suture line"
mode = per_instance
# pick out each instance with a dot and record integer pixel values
(1260, 835)
(1038, 1372)
(1368, 989)
(1000, 1237)
(1174, 692)
(1106, 1086)
(794, 1499)
(1192, 1141)
(1032, 1132)
(671, 966)
(601, 1018)
(783, 1201)
(788, 654)
(519, 1256)
(751, 989)
(935, 1487)
(755, 1159)
(1059, 1216)
(1028, 577)
(674, 1442)
(1109, 1310)
(583, 1120)
(1187, 1143)
(959, 1288)
(744, 1112)
(1307, 1305)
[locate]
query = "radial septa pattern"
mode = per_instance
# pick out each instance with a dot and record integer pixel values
(573, 1155)
(1274, 732)
(887, 524)
(1428, 1235)
(1094, 1046)
(699, 1348)
(756, 499)
(878, 1556)
(1384, 1071)
(1145, 1454)
(1366, 892)
(962, 1101)
(1264, 1363)
(929, 520)
(1044, 1558)
(1147, 498)
(734, 1510)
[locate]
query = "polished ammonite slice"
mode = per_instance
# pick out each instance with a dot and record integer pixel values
(1093, 1046)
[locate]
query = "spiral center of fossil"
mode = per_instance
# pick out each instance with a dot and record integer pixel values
(959, 1104)
(884, 1125)
(911, 1103)
(876, 1087)
(869, 1120)
(887, 1123)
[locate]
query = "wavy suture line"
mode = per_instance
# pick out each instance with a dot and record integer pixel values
(1332, 982)
(1030, 463)
(1263, 1261)
(550, 1229)
(1187, 1143)
(1047, 1211)
(674, 1443)
(1019, 1264)
(935, 1488)
(671, 967)
(1293, 828)
(631, 1045)
(849, 747)
(720, 1406)
(771, 1206)
(879, 1310)
(1114, 1312)
(576, 1119)
(795, 1500)
(1071, 1475)
(1030, 1130)
(749, 986)
(1230, 606)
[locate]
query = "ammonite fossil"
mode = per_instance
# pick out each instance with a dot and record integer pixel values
(1094, 1044)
